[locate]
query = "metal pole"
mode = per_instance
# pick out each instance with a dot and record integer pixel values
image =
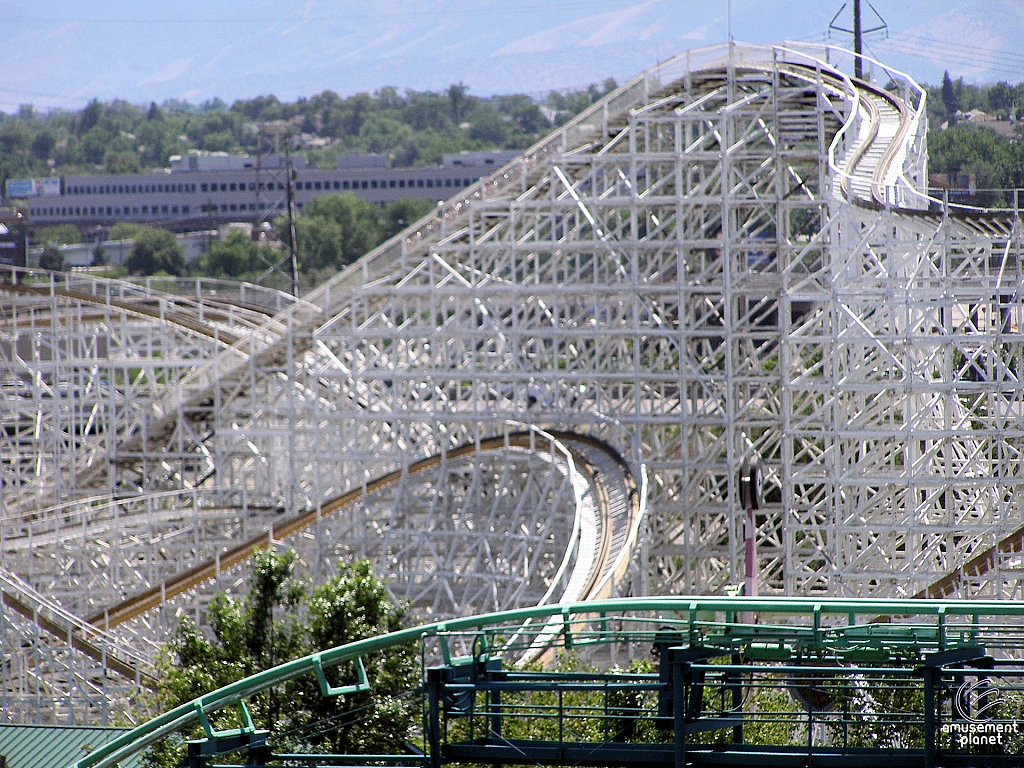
(293, 247)
(930, 673)
(749, 562)
(259, 174)
(435, 681)
(678, 708)
(858, 42)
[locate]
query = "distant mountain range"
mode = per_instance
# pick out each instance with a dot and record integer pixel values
(64, 54)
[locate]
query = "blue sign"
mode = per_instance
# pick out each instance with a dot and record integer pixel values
(21, 187)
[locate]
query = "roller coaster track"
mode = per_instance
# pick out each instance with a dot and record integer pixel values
(866, 178)
(838, 631)
(617, 512)
(64, 626)
(866, 175)
(873, 165)
(177, 318)
(207, 316)
(613, 516)
(238, 318)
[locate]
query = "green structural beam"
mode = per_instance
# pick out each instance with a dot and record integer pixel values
(682, 610)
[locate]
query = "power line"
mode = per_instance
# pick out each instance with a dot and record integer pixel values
(966, 54)
(42, 95)
(923, 47)
(968, 49)
(957, 57)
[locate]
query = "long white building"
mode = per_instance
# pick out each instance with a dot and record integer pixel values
(196, 193)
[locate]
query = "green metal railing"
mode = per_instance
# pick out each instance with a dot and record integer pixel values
(864, 640)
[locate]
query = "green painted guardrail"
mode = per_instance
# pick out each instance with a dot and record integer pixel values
(198, 710)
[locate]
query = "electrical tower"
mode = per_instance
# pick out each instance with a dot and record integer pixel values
(275, 193)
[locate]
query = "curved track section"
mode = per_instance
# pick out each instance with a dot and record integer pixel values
(598, 487)
(514, 521)
(85, 359)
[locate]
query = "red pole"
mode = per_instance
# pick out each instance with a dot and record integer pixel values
(750, 492)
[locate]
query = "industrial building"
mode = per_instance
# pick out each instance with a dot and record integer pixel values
(198, 190)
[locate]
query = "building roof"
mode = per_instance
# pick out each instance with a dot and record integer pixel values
(47, 746)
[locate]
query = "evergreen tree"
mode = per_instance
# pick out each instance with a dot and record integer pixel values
(949, 95)
(52, 258)
(99, 255)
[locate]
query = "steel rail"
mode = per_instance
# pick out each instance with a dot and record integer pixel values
(814, 608)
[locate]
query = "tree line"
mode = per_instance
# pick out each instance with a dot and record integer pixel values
(960, 147)
(332, 232)
(412, 128)
(998, 99)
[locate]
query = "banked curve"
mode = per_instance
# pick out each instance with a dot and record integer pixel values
(618, 512)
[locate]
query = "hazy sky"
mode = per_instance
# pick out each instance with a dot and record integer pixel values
(63, 53)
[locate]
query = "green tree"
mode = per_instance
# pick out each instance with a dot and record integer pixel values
(96, 143)
(352, 606)
(61, 234)
(235, 256)
(457, 98)
(15, 138)
(997, 162)
(89, 116)
(155, 251)
(488, 125)
(43, 144)
(122, 162)
(1000, 97)
(52, 258)
(99, 255)
(401, 213)
(949, 95)
(281, 619)
(336, 230)
(221, 141)
(124, 230)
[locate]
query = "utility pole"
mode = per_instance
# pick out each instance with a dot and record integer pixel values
(209, 226)
(271, 165)
(858, 32)
(292, 241)
(858, 42)
(259, 179)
